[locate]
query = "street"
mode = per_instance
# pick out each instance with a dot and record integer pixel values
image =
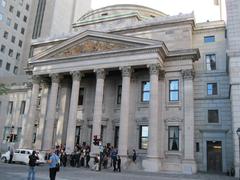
(19, 172)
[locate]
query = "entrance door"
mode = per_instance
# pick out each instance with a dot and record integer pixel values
(214, 156)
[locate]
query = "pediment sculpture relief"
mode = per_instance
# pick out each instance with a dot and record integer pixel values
(90, 46)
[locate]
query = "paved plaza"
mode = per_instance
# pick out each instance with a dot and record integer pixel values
(19, 172)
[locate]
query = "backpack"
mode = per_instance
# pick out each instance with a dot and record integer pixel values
(32, 160)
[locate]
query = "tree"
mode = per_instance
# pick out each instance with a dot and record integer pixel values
(3, 89)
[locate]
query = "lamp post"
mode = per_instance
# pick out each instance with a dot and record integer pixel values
(238, 133)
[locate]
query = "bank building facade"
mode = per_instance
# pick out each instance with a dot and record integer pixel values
(138, 79)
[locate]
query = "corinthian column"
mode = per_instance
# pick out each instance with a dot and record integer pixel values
(29, 123)
(189, 164)
(76, 77)
(124, 114)
(51, 113)
(97, 115)
(152, 163)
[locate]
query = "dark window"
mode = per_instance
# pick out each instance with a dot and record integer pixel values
(27, 7)
(5, 35)
(10, 52)
(20, 43)
(15, 69)
(3, 47)
(213, 116)
(211, 62)
(18, 13)
(8, 22)
(22, 108)
(8, 65)
(19, 132)
(13, 39)
(143, 137)
(1, 62)
(174, 90)
(119, 94)
(15, 26)
(11, 8)
(209, 39)
(80, 96)
(25, 18)
(6, 133)
(22, 30)
(18, 56)
(10, 107)
(145, 95)
(173, 138)
(77, 135)
(197, 147)
(212, 89)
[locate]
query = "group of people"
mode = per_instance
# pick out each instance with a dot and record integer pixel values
(108, 157)
(53, 161)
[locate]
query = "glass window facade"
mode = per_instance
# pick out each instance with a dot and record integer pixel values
(145, 97)
(174, 90)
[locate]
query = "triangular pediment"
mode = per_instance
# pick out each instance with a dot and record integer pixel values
(91, 42)
(90, 46)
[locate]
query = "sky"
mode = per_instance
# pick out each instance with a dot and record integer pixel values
(203, 9)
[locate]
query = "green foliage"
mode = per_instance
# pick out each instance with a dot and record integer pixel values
(3, 89)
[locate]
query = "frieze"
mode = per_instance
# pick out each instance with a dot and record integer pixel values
(188, 74)
(90, 46)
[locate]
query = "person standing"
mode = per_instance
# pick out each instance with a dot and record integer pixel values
(134, 157)
(118, 163)
(11, 150)
(53, 161)
(32, 163)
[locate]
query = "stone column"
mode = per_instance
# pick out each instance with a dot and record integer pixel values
(189, 164)
(29, 123)
(124, 114)
(51, 113)
(76, 77)
(43, 111)
(97, 115)
(161, 114)
(153, 163)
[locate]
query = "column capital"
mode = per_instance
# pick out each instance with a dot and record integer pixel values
(55, 78)
(187, 74)
(126, 71)
(154, 68)
(76, 75)
(161, 74)
(100, 73)
(35, 79)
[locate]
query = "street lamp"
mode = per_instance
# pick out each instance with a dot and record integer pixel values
(238, 133)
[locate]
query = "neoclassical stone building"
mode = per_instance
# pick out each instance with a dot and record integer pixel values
(139, 79)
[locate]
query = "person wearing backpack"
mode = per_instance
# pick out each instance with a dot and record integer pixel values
(32, 163)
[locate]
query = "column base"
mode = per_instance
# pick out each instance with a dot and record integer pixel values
(151, 164)
(189, 167)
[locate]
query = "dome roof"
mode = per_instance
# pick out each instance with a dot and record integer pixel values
(120, 10)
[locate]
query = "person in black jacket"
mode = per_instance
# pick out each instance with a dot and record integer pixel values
(32, 163)
(118, 164)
